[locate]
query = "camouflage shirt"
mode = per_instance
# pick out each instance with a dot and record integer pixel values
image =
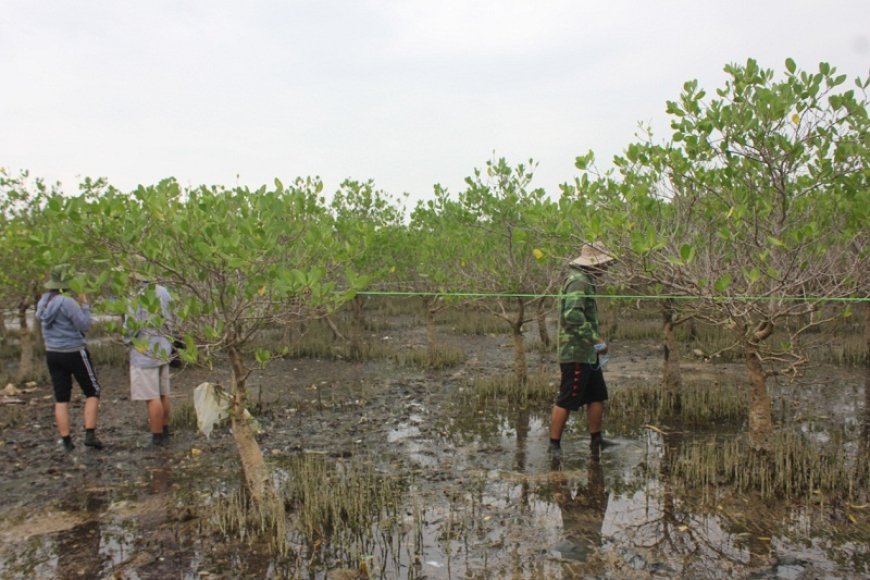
(578, 319)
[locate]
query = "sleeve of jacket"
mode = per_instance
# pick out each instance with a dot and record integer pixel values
(574, 311)
(166, 309)
(133, 319)
(79, 315)
(40, 306)
(127, 332)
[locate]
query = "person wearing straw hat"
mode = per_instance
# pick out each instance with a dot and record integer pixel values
(148, 331)
(64, 321)
(581, 349)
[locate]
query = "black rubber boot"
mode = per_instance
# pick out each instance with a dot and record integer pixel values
(91, 440)
(67, 443)
(597, 443)
(554, 448)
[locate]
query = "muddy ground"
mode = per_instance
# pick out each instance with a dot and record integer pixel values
(478, 496)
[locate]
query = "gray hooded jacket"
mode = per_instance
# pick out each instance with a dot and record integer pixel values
(64, 322)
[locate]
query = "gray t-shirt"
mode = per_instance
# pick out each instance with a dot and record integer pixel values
(151, 345)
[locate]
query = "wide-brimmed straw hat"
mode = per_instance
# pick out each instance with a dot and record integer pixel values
(593, 254)
(59, 277)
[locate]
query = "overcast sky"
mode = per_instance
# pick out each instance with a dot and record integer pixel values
(407, 93)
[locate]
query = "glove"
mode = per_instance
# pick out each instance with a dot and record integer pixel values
(602, 358)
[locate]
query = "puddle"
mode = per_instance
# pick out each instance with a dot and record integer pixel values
(90, 533)
(475, 493)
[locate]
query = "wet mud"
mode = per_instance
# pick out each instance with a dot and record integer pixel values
(463, 487)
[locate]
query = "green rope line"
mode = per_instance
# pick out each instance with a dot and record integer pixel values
(620, 296)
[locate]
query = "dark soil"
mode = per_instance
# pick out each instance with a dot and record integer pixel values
(490, 502)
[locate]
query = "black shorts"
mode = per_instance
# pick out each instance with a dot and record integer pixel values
(582, 383)
(63, 366)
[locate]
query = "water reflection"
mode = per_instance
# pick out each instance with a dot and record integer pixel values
(582, 509)
(485, 501)
(78, 548)
(161, 480)
(92, 532)
(626, 509)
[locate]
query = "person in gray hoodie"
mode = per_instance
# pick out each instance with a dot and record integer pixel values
(65, 320)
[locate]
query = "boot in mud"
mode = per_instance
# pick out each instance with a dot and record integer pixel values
(554, 452)
(597, 443)
(92, 441)
(67, 443)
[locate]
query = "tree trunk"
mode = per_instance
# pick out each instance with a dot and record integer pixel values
(256, 473)
(541, 317)
(3, 330)
(336, 333)
(672, 376)
(862, 469)
(37, 327)
(521, 371)
(25, 366)
(867, 379)
(693, 330)
(358, 328)
(431, 334)
(760, 415)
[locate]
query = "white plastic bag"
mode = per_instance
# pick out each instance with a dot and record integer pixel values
(212, 404)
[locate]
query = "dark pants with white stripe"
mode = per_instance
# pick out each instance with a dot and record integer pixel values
(63, 366)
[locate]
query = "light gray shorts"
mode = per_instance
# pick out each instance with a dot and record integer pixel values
(150, 383)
